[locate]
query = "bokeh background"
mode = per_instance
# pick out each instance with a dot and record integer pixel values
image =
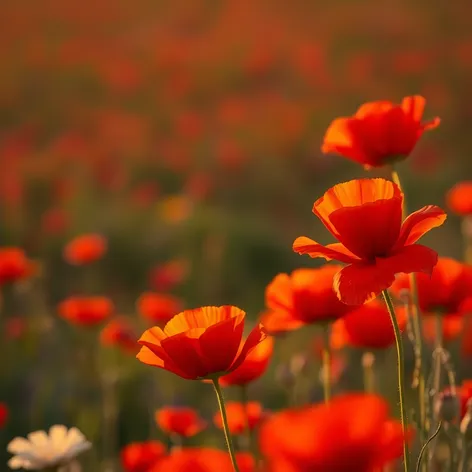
(190, 131)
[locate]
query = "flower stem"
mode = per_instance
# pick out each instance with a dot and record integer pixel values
(250, 437)
(229, 441)
(326, 364)
(401, 375)
(368, 360)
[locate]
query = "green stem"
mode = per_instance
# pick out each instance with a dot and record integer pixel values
(326, 364)
(401, 375)
(425, 446)
(368, 360)
(229, 441)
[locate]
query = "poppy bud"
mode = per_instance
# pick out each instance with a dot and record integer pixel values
(447, 407)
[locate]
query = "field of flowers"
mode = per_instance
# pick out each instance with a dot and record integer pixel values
(186, 157)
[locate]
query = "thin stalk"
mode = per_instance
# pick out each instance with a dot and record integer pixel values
(229, 441)
(425, 446)
(438, 351)
(368, 360)
(401, 375)
(326, 364)
(250, 437)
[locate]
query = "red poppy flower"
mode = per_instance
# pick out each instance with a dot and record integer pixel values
(204, 459)
(446, 291)
(253, 366)
(86, 311)
(379, 133)
(365, 216)
(237, 416)
(3, 414)
(166, 276)
(306, 296)
(200, 343)
(119, 332)
(452, 327)
(14, 265)
(141, 457)
(85, 249)
(178, 420)
(319, 439)
(158, 308)
(459, 198)
(367, 327)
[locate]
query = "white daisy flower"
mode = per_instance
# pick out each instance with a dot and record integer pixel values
(41, 450)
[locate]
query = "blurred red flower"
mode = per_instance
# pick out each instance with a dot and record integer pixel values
(379, 133)
(85, 249)
(253, 366)
(166, 276)
(86, 311)
(238, 416)
(203, 459)
(459, 198)
(158, 307)
(305, 296)
(119, 332)
(352, 433)
(179, 420)
(15, 327)
(464, 393)
(367, 327)
(14, 265)
(54, 221)
(365, 216)
(3, 414)
(200, 343)
(447, 291)
(141, 457)
(452, 327)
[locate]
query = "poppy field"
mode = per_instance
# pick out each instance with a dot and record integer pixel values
(235, 236)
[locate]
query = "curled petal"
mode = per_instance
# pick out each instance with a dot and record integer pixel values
(336, 251)
(257, 335)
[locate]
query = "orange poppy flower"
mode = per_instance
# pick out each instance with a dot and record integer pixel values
(367, 327)
(85, 249)
(179, 420)
(200, 343)
(452, 327)
(459, 198)
(141, 457)
(379, 133)
(319, 439)
(86, 311)
(365, 216)
(203, 459)
(158, 308)
(14, 265)
(166, 276)
(446, 291)
(3, 414)
(253, 366)
(119, 332)
(237, 416)
(306, 296)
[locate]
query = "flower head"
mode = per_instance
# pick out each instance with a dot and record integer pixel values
(141, 456)
(158, 307)
(180, 420)
(459, 198)
(85, 249)
(119, 332)
(379, 133)
(86, 311)
(237, 417)
(14, 265)
(365, 216)
(200, 343)
(166, 276)
(41, 450)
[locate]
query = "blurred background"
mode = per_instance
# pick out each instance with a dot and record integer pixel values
(188, 133)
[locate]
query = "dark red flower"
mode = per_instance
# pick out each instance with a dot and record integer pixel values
(3, 414)
(14, 265)
(119, 332)
(166, 276)
(141, 457)
(179, 420)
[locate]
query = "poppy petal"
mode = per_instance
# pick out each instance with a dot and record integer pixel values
(374, 108)
(419, 223)
(276, 322)
(257, 335)
(146, 356)
(414, 107)
(278, 295)
(336, 251)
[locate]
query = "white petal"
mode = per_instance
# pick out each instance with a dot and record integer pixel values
(18, 462)
(18, 445)
(58, 435)
(77, 449)
(38, 438)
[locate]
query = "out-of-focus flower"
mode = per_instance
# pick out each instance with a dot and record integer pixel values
(446, 291)
(86, 311)
(85, 249)
(166, 276)
(142, 456)
(367, 327)
(158, 308)
(452, 326)
(3, 414)
(42, 450)
(464, 394)
(377, 249)
(15, 265)
(459, 198)
(119, 332)
(183, 421)
(15, 327)
(379, 133)
(175, 208)
(200, 343)
(238, 417)
(352, 433)
(54, 221)
(306, 296)
(253, 366)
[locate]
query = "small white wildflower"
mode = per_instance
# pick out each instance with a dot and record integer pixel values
(41, 450)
